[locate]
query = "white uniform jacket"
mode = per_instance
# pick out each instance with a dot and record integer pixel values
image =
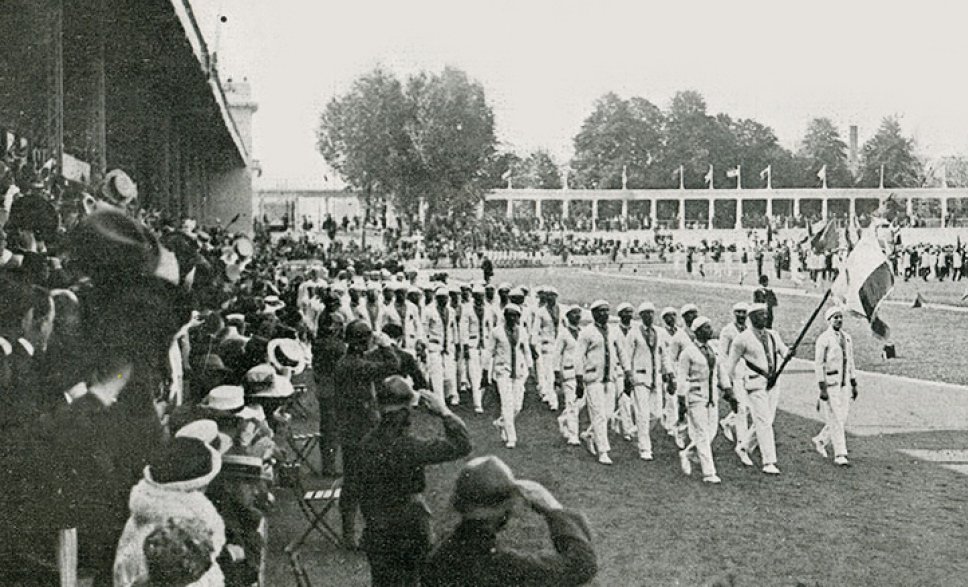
(473, 330)
(747, 347)
(696, 381)
(648, 364)
(590, 355)
(564, 353)
(499, 349)
(435, 330)
(831, 364)
(546, 329)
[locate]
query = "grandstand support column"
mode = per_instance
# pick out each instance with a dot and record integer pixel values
(625, 210)
(944, 211)
(712, 210)
(739, 214)
(823, 209)
(769, 208)
(909, 207)
(537, 212)
(510, 211)
(852, 210)
(564, 209)
(796, 207)
(682, 213)
(653, 213)
(594, 214)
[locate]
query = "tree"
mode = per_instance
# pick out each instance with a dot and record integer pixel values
(618, 134)
(689, 131)
(361, 134)
(821, 146)
(888, 147)
(500, 163)
(452, 130)
(433, 138)
(538, 171)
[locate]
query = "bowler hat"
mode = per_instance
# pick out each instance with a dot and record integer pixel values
(186, 464)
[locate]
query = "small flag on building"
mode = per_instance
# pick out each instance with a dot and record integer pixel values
(736, 173)
(864, 282)
(625, 177)
(822, 174)
(733, 172)
(768, 174)
(709, 177)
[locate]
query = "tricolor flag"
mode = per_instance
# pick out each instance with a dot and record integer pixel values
(709, 177)
(864, 282)
(828, 239)
(733, 172)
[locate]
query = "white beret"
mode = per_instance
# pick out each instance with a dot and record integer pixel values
(504, 287)
(599, 304)
(551, 290)
(477, 289)
(441, 292)
(833, 311)
(669, 310)
(646, 306)
(759, 307)
(518, 291)
(622, 307)
(512, 308)
(413, 289)
(689, 308)
(741, 307)
(698, 322)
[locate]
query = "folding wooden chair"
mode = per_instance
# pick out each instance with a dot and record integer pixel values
(316, 504)
(302, 446)
(297, 406)
(298, 571)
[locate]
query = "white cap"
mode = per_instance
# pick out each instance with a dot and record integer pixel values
(518, 291)
(622, 307)
(688, 308)
(551, 290)
(669, 310)
(698, 322)
(413, 289)
(833, 311)
(358, 286)
(644, 306)
(441, 292)
(599, 304)
(504, 286)
(741, 307)
(478, 289)
(759, 307)
(512, 308)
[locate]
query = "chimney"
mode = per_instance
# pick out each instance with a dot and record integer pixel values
(852, 153)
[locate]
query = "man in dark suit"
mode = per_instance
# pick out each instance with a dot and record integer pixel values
(765, 295)
(484, 495)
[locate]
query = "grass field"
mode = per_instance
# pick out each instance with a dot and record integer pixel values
(889, 520)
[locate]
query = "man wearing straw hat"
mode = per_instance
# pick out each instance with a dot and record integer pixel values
(834, 365)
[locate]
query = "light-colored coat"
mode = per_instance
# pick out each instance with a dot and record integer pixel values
(433, 328)
(564, 353)
(546, 329)
(830, 364)
(474, 331)
(692, 373)
(648, 365)
(498, 348)
(590, 355)
(747, 347)
(151, 506)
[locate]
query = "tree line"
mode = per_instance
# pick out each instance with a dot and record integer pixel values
(431, 139)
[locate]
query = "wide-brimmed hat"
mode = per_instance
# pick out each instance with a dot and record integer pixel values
(287, 353)
(225, 398)
(272, 304)
(186, 464)
(110, 246)
(118, 188)
(206, 431)
(485, 486)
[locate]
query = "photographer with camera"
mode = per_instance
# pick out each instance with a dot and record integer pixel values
(398, 536)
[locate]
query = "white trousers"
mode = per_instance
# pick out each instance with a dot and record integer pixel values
(600, 399)
(546, 378)
(440, 371)
(474, 373)
(511, 392)
(702, 420)
(647, 404)
(835, 412)
(763, 408)
(573, 406)
(741, 418)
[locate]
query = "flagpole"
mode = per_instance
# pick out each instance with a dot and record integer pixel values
(803, 333)
(682, 178)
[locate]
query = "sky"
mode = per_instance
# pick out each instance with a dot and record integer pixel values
(543, 63)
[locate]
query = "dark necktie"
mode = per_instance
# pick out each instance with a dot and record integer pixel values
(711, 361)
(608, 358)
(443, 319)
(650, 341)
(480, 326)
(513, 343)
(770, 359)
